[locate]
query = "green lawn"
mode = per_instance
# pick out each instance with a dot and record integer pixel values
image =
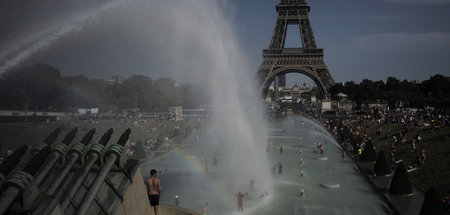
(16, 135)
(436, 169)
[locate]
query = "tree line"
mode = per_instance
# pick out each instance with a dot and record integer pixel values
(42, 88)
(435, 90)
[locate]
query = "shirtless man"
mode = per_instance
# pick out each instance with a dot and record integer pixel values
(154, 191)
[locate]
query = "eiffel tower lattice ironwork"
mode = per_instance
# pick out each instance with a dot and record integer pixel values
(308, 60)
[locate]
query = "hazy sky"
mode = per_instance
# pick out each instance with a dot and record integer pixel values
(373, 39)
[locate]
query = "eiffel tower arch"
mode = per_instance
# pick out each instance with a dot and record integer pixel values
(307, 60)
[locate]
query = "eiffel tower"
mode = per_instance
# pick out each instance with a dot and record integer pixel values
(308, 60)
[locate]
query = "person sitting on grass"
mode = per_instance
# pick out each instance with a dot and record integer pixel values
(422, 157)
(446, 202)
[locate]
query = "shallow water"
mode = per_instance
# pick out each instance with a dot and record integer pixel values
(187, 178)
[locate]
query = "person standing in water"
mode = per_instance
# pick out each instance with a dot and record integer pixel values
(274, 170)
(205, 206)
(240, 198)
(176, 201)
(280, 168)
(154, 191)
(206, 166)
(281, 149)
(269, 147)
(215, 161)
(252, 183)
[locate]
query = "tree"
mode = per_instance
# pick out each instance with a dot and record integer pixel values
(381, 166)
(135, 92)
(335, 89)
(413, 95)
(369, 154)
(439, 87)
(165, 93)
(400, 184)
(40, 87)
(37, 86)
(431, 204)
(392, 83)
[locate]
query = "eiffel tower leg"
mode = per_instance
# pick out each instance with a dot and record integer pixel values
(276, 83)
(282, 80)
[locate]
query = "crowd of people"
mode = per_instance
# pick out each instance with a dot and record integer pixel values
(157, 134)
(411, 120)
(403, 129)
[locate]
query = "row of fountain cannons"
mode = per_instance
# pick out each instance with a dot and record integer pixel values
(69, 178)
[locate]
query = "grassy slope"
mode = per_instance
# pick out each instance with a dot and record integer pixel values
(436, 169)
(16, 135)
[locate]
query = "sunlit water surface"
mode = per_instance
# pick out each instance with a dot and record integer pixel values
(186, 177)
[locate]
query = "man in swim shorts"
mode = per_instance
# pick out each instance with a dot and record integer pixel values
(154, 191)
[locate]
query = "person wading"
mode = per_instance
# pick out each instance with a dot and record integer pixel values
(240, 198)
(154, 191)
(204, 208)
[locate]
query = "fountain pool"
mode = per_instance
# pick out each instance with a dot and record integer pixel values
(314, 186)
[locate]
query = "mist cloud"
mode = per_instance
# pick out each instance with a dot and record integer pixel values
(24, 48)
